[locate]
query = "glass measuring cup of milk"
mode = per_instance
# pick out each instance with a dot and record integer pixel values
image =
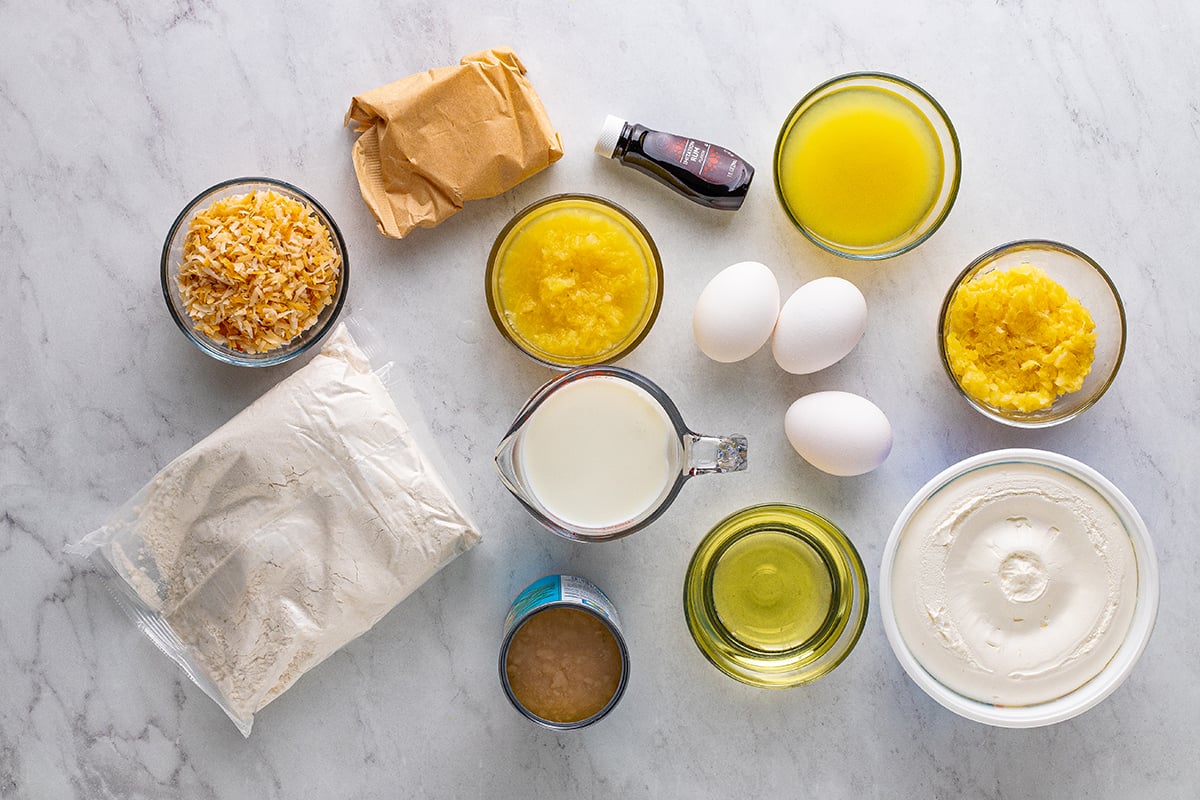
(601, 452)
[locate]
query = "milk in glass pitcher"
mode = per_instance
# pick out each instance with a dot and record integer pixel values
(601, 452)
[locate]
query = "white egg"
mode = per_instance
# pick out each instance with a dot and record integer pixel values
(736, 312)
(839, 432)
(819, 325)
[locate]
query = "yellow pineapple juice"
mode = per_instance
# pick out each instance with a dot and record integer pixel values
(859, 168)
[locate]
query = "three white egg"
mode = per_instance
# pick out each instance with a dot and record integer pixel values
(739, 310)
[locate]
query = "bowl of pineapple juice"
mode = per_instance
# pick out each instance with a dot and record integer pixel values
(867, 166)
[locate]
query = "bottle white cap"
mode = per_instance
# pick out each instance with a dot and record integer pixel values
(606, 145)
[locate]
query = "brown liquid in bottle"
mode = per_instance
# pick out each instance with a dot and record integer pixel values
(702, 172)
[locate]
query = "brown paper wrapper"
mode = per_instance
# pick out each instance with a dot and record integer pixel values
(434, 140)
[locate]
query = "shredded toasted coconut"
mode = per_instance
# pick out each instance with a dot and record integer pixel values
(257, 270)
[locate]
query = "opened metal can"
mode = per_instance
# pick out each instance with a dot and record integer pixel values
(563, 659)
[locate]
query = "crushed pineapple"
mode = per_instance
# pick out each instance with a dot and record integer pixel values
(257, 270)
(1016, 340)
(576, 282)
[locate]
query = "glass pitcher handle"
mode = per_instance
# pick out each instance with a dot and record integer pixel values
(708, 454)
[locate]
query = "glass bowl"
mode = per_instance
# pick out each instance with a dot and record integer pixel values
(1084, 280)
(172, 258)
(867, 166)
(548, 266)
(1002, 500)
(775, 596)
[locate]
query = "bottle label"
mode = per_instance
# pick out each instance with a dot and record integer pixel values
(694, 155)
(707, 161)
(720, 165)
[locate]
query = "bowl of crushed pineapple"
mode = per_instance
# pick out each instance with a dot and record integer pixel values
(1032, 333)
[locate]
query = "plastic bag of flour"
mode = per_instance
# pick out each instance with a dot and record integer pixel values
(283, 535)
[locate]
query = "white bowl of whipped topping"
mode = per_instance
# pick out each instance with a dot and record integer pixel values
(1018, 588)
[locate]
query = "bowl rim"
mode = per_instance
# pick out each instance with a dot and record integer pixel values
(699, 574)
(491, 270)
(978, 264)
(955, 180)
(214, 350)
(1104, 682)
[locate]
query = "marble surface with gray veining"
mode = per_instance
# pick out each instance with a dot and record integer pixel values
(1079, 122)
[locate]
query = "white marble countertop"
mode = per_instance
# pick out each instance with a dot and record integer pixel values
(1078, 122)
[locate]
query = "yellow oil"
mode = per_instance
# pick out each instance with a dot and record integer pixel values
(860, 168)
(775, 595)
(772, 591)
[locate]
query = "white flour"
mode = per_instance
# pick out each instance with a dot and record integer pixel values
(283, 535)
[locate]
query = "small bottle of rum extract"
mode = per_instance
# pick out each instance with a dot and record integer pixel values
(704, 173)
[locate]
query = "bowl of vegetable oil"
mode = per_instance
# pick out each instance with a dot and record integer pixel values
(775, 596)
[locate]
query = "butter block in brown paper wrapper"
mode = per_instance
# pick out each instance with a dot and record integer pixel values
(434, 140)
